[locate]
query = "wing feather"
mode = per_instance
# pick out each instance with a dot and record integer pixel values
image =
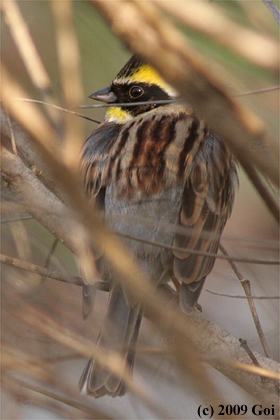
(206, 205)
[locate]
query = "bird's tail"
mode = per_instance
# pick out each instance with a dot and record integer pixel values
(120, 334)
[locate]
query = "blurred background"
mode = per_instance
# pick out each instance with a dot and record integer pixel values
(251, 232)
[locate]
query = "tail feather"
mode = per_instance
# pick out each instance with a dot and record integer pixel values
(119, 333)
(189, 294)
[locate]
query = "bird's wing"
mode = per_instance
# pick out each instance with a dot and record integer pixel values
(206, 205)
(95, 159)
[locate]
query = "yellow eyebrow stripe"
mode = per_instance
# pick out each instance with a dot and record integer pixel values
(147, 74)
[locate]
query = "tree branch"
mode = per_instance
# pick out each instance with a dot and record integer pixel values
(274, 9)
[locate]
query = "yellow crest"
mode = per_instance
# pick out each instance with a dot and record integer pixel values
(147, 74)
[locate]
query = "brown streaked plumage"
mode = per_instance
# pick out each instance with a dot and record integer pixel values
(158, 163)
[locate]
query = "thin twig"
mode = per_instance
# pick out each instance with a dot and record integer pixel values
(59, 108)
(272, 187)
(13, 140)
(17, 219)
(158, 102)
(55, 275)
(269, 199)
(274, 9)
(54, 245)
(196, 252)
(253, 92)
(241, 297)
(247, 288)
(36, 388)
(245, 346)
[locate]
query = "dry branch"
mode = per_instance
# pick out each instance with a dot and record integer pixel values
(28, 52)
(247, 289)
(200, 17)
(274, 9)
(38, 201)
(69, 62)
(32, 268)
(29, 152)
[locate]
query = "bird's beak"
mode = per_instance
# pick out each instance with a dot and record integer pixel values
(104, 95)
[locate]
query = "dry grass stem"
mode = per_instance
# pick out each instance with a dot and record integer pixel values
(12, 135)
(222, 257)
(257, 370)
(25, 45)
(37, 126)
(29, 54)
(95, 414)
(60, 109)
(258, 48)
(109, 360)
(69, 62)
(254, 92)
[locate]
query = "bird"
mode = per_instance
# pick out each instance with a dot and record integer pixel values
(158, 173)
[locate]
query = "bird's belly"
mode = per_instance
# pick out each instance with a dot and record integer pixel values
(152, 219)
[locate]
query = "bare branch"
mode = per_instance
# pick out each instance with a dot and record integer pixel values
(17, 219)
(192, 251)
(69, 62)
(247, 289)
(200, 17)
(25, 185)
(26, 47)
(240, 297)
(13, 141)
(28, 53)
(274, 9)
(44, 272)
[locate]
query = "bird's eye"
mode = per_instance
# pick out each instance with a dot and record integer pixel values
(136, 92)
